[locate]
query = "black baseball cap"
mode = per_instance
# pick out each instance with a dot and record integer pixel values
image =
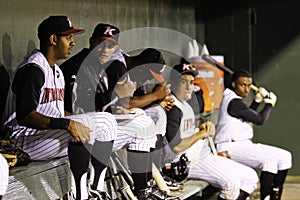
(106, 32)
(184, 69)
(58, 25)
(154, 61)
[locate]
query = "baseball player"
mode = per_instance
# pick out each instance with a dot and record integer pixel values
(101, 83)
(184, 137)
(152, 93)
(3, 176)
(35, 108)
(235, 131)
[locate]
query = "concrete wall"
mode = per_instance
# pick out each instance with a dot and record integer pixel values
(19, 20)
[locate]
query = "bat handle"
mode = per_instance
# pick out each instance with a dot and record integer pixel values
(254, 88)
(212, 147)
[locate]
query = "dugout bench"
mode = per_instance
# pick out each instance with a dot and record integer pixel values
(52, 180)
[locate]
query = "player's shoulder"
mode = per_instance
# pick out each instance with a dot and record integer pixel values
(174, 112)
(29, 68)
(115, 66)
(117, 63)
(74, 62)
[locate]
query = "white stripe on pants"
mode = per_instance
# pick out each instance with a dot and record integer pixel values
(159, 117)
(53, 143)
(225, 174)
(258, 156)
(137, 134)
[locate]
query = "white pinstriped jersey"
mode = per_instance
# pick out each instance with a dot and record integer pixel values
(51, 100)
(217, 171)
(187, 126)
(230, 128)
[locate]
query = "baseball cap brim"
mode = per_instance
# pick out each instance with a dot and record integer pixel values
(158, 77)
(191, 72)
(72, 31)
(107, 38)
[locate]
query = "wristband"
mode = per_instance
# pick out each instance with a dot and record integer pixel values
(59, 123)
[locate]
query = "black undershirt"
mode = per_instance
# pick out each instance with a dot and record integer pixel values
(27, 85)
(238, 108)
(173, 126)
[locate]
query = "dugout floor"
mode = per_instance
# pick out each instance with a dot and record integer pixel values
(291, 191)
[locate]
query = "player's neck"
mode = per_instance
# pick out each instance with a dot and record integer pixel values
(51, 58)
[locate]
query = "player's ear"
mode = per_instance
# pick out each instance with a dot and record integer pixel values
(233, 84)
(53, 40)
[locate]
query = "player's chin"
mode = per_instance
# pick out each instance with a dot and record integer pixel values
(67, 54)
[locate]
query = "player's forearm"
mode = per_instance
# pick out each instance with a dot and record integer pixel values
(188, 142)
(142, 101)
(37, 120)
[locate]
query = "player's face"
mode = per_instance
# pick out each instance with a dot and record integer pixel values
(104, 50)
(64, 46)
(242, 86)
(185, 87)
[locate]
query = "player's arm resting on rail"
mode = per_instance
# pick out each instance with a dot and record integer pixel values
(159, 93)
(239, 109)
(177, 143)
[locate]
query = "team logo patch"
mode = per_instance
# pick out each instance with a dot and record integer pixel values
(70, 23)
(109, 31)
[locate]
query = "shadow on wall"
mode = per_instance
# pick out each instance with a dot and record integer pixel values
(30, 47)
(8, 55)
(6, 52)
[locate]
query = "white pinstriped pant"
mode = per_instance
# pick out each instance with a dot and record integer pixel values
(136, 134)
(3, 175)
(258, 156)
(53, 143)
(225, 174)
(159, 117)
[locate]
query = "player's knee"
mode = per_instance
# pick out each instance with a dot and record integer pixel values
(230, 192)
(286, 162)
(250, 184)
(231, 189)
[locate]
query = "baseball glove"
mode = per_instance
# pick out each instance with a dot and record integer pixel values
(14, 156)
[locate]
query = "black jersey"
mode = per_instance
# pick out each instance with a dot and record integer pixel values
(94, 82)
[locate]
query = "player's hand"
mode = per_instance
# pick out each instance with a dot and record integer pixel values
(167, 103)
(271, 99)
(209, 129)
(79, 131)
(161, 91)
(126, 89)
(261, 94)
(264, 93)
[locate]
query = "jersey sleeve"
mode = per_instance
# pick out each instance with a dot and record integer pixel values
(115, 72)
(238, 108)
(173, 126)
(27, 85)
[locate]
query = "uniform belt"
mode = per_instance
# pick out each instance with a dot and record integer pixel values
(231, 140)
(224, 154)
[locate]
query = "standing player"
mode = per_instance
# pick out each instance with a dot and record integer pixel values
(235, 131)
(184, 137)
(3, 176)
(35, 110)
(101, 84)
